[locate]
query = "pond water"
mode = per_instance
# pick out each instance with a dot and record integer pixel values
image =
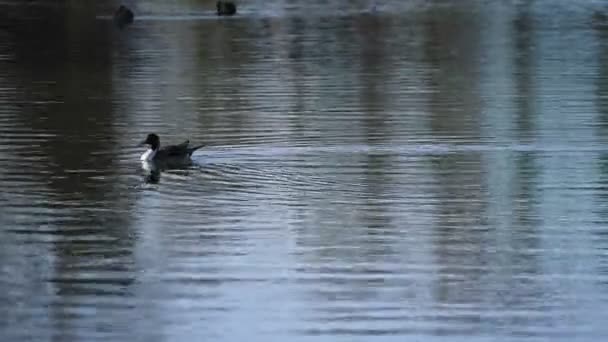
(399, 171)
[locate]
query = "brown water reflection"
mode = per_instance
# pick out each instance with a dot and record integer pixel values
(422, 170)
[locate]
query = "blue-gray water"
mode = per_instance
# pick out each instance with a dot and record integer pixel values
(417, 171)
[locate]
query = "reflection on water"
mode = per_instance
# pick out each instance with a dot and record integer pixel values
(420, 170)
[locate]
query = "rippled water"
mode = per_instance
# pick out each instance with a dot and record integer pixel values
(409, 171)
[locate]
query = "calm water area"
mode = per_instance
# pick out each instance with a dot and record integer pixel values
(373, 171)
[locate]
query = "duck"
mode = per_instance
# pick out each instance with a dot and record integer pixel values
(167, 155)
(123, 16)
(225, 8)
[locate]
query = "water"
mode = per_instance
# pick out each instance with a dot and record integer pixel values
(424, 171)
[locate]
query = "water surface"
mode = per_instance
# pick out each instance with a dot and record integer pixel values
(413, 171)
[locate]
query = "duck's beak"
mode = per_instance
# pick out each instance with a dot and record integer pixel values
(143, 143)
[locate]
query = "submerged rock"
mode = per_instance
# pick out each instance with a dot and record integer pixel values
(225, 8)
(123, 16)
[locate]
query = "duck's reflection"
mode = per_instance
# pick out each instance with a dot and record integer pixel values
(151, 172)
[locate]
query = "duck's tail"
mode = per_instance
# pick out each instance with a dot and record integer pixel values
(192, 149)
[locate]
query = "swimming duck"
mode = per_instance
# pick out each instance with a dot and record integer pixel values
(225, 8)
(123, 16)
(169, 155)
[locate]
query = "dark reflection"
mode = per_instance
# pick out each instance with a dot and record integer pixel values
(296, 46)
(462, 229)
(152, 175)
(354, 240)
(62, 69)
(298, 75)
(152, 171)
(521, 269)
(599, 19)
(373, 76)
(224, 50)
(601, 103)
(452, 51)
(461, 237)
(524, 73)
(475, 262)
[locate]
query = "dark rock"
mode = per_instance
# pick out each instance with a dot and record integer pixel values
(123, 16)
(225, 8)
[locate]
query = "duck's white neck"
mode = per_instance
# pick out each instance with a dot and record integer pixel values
(148, 155)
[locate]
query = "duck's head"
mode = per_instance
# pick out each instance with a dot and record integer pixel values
(152, 141)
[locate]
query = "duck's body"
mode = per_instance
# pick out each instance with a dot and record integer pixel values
(168, 155)
(225, 8)
(123, 16)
